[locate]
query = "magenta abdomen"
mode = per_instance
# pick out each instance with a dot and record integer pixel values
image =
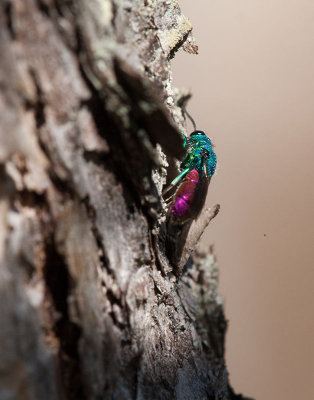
(182, 206)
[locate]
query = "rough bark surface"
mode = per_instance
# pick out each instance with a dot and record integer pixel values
(89, 305)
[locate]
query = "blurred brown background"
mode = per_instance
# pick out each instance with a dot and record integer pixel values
(253, 87)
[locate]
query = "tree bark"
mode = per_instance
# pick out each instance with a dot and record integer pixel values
(90, 305)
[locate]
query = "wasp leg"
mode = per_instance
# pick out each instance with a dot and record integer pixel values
(185, 138)
(176, 180)
(169, 199)
(206, 171)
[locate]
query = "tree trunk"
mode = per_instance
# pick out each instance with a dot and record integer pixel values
(91, 308)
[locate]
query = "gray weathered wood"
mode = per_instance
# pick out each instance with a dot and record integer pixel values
(89, 305)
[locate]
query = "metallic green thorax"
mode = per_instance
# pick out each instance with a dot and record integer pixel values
(195, 145)
(199, 156)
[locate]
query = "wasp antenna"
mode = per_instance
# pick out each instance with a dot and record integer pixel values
(189, 116)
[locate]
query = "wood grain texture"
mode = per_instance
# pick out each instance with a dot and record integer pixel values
(90, 308)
